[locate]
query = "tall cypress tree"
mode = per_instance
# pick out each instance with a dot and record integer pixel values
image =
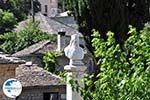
(105, 15)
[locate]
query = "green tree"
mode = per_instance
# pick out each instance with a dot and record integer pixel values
(105, 15)
(17, 7)
(7, 21)
(12, 42)
(123, 70)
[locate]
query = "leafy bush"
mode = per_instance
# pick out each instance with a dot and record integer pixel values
(124, 70)
(7, 21)
(12, 42)
(17, 7)
(50, 62)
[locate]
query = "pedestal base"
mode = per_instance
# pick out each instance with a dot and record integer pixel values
(72, 68)
(74, 73)
(76, 62)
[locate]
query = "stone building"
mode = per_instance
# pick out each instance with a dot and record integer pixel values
(62, 27)
(55, 26)
(8, 67)
(38, 84)
(35, 53)
(55, 23)
(49, 7)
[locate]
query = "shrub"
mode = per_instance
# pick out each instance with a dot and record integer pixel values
(12, 42)
(7, 21)
(50, 62)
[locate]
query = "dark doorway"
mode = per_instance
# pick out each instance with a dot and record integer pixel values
(51, 96)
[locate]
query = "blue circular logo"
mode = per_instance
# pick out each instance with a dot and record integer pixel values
(12, 88)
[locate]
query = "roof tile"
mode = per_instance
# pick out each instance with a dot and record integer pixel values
(36, 76)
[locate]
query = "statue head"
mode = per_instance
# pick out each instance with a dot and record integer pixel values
(74, 42)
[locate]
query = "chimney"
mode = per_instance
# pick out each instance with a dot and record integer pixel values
(61, 39)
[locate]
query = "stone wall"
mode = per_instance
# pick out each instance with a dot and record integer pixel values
(36, 93)
(52, 6)
(36, 59)
(7, 71)
(3, 97)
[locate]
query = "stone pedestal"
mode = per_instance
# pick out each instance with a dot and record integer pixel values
(74, 73)
(76, 68)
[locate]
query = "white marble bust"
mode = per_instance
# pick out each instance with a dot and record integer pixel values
(74, 52)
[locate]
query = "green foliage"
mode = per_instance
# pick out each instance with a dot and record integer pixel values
(17, 7)
(76, 6)
(63, 75)
(12, 42)
(7, 21)
(123, 70)
(105, 15)
(12, 12)
(50, 62)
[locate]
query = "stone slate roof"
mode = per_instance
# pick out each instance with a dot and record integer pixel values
(50, 25)
(33, 75)
(68, 20)
(39, 48)
(7, 59)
